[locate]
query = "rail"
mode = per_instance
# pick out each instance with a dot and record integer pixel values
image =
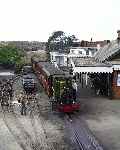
(80, 135)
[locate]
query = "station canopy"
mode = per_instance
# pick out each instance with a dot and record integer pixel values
(90, 65)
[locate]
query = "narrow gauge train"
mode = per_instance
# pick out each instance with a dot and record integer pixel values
(57, 85)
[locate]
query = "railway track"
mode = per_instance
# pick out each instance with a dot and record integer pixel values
(40, 119)
(80, 134)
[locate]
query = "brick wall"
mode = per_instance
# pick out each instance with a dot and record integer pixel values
(115, 88)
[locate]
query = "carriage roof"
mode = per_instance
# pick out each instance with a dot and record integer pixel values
(50, 69)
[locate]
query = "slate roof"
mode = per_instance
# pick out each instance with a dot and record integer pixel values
(89, 62)
(107, 51)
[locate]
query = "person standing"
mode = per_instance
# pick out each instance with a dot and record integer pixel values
(0, 92)
(22, 99)
(23, 106)
(75, 88)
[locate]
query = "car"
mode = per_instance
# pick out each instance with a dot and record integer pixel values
(29, 84)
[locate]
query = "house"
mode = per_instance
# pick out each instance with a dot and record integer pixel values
(62, 58)
(82, 52)
(59, 58)
(94, 44)
(80, 49)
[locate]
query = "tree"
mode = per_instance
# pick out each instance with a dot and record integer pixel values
(60, 42)
(11, 56)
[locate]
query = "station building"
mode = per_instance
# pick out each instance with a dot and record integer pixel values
(105, 63)
(111, 53)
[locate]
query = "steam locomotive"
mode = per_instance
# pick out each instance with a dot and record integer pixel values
(57, 85)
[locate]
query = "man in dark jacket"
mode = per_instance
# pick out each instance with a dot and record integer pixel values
(23, 105)
(23, 108)
(74, 88)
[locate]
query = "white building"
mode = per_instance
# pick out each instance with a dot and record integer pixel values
(59, 58)
(62, 58)
(80, 52)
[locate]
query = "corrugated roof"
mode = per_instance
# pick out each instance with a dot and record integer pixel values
(107, 51)
(89, 61)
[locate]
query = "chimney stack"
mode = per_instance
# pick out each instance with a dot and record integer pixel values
(118, 38)
(91, 40)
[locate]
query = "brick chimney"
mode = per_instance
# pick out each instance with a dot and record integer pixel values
(118, 37)
(91, 40)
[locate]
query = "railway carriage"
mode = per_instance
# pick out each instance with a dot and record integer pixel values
(57, 85)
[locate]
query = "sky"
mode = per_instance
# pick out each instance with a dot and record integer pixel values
(36, 20)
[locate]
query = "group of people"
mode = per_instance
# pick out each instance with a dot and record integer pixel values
(6, 92)
(99, 83)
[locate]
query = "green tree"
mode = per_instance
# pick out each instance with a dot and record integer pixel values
(60, 42)
(11, 56)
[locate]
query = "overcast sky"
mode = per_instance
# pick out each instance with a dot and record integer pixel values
(37, 19)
